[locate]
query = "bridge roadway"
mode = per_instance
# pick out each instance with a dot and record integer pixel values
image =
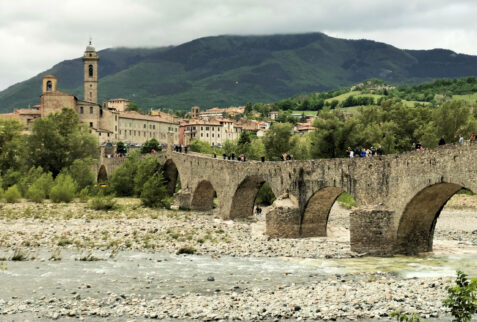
(399, 196)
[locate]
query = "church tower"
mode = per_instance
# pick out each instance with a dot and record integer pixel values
(90, 62)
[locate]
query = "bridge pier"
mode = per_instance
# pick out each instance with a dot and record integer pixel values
(283, 221)
(372, 232)
(183, 199)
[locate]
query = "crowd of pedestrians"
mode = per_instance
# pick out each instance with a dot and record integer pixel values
(180, 148)
(363, 152)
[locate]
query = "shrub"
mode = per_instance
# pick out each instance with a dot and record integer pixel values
(265, 195)
(462, 299)
(28, 179)
(35, 194)
(83, 194)
(346, 200)
(154, 193)
(64, 189)
(45, 182)
(103, 203)
(12, 194)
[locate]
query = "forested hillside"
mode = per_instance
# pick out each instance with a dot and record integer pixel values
(233, 70)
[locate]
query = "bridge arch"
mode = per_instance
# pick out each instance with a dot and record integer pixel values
(317, 211)
(102, 174)
(416, 226)
(203, 197)
(245, 195)
(171, 175)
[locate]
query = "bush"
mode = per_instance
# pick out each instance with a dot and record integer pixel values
(462, 299)
(12, 194)
(103, 203)
(64, 189)
(35, 194)
(265, 195)
(346, 200)
(154, 193)
(28, 179)
(40, 188)
(83, 195)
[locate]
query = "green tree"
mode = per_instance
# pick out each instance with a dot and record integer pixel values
(11, 145)
(57, 140)
(277, 140)
(150, 145)
(121, 148)
(44, 183)
(265, 195)
(80, 171)
(452, 119)
(154, 194)
(121, 180)
(145, 170)
(133, 107)
(199, 146)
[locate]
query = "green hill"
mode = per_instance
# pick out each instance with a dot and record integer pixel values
(233, 70)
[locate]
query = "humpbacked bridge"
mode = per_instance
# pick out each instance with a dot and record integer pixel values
(400, 196)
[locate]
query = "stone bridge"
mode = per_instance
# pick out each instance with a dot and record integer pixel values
(400, 196)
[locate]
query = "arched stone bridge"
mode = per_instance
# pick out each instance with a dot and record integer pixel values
(399, 196)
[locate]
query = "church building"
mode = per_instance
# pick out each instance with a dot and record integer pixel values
(109, 121)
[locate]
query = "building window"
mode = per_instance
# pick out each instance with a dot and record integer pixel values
(144, 125)
(218, 135)
(115, 117)
(81, 110)
(212, 134)
(49, 86)
(201, 134)
(119, 131)
(115, 128)
(90, 70)
(99, 134)
(201, 128)
(90, 124)
(90, 110)
(207, 128)
(207, 134)
(108, 135)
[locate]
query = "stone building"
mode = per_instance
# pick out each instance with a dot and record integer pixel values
(214, 131)
(109, 122)
(26, 116)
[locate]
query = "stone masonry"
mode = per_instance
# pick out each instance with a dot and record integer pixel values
(401, 196)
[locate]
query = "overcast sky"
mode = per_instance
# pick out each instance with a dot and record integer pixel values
(35, 35)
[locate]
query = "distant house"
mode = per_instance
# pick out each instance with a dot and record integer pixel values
(302, 128)
(273, 115)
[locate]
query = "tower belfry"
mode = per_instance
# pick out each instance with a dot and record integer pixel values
(90, 62)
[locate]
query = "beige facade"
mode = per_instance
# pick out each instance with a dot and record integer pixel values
(119, 104)
(110, 123)
(214, 131)
(138, 128)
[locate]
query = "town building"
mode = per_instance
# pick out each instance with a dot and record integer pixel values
(110, 122)
(214, 131)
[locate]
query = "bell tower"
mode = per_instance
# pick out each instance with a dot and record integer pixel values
(90, 62)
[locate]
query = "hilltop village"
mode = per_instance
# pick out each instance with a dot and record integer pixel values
(113, 121)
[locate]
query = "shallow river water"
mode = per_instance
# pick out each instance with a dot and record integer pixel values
(157, 274)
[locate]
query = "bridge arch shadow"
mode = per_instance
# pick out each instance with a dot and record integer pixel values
(102, 174)
(203, 197)
(171, 175)
(245, 196)
(415, 232)
(315, 217)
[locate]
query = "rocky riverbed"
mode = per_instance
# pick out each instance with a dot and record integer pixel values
(64, 261)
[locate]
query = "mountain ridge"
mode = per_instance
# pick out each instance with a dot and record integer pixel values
(233, 70)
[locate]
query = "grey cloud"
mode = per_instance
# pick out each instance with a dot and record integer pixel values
(37, 36)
